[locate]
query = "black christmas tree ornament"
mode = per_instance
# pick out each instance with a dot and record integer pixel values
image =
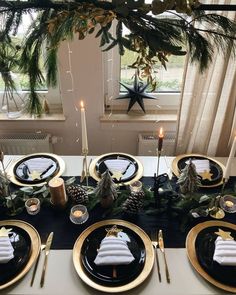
(136, 93)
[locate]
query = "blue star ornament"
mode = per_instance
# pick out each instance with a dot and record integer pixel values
(136, 94)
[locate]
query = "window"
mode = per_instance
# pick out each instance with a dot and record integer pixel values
(21, 81)
(168, 89)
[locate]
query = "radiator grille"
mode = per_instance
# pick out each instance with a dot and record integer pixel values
(147, 144)
(25, 143)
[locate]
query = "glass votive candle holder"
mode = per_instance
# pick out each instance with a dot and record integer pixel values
(32, 206)
(79, 214)
(136, 186)
(228, 203)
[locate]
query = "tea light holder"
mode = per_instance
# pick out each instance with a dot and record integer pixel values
(79, 214)
(136, 186)
(32, 206)
(228, 203)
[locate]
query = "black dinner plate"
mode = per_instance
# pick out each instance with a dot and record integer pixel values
(45, 165)
(205, 246)
(103, 274)
(130, 170)
(215, 169)
(21, 243)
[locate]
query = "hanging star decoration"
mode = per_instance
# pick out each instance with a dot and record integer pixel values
(225, 235)
(136, 93)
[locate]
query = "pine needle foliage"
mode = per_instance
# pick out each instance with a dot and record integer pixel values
(153, 38)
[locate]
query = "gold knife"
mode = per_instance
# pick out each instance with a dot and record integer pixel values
(162, 248)
(47, 250)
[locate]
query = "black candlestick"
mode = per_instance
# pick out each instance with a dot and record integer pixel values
(158, 161)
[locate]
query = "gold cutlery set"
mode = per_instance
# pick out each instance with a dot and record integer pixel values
(157, 240)
(44, 246)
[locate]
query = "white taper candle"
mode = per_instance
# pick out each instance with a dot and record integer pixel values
(84, 129)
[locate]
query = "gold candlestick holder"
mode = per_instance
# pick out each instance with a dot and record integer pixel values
(85, 172)
(158, 161)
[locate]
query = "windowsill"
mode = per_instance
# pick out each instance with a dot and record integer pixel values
(137, 117)
(27, 117)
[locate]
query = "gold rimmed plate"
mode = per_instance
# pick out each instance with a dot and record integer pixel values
(211, 178)
(36, 169)
(101, 277)
(26, 243)
(200, 245)
(124, 168)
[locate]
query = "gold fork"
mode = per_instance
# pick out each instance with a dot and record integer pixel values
(155, 246)
(42, 247)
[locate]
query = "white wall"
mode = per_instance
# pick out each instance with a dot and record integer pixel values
(87, 70)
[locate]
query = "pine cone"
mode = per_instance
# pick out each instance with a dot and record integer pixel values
(134, 203)
(77, 194)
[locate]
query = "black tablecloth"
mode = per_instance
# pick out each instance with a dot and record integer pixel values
(66, 233)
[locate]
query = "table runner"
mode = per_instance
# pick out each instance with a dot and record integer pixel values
(65, 232)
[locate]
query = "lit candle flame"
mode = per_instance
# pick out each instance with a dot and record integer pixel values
(161, 134)
(82, 104)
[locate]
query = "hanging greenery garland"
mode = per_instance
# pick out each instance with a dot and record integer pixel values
(153, 38)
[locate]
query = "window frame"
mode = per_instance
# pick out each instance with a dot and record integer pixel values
(167, 101)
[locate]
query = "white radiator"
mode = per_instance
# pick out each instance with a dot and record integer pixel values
(147, 144)
(25, 143)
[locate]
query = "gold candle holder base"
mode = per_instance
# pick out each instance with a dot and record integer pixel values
(85, 172)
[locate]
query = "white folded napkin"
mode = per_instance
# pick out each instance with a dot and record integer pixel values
(201, 165)
(225, 251)
(113, 251)
(6, 250)
(39, 164)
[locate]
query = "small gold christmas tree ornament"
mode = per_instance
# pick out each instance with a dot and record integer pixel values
(46, 107)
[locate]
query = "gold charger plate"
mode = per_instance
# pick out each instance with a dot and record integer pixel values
(192, 255)
(176, 170)
(148, 264)
(93, 173)
(35, 247)
(14, 180)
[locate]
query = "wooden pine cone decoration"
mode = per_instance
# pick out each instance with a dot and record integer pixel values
(77, 194)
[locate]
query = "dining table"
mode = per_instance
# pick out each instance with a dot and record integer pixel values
(62, 277)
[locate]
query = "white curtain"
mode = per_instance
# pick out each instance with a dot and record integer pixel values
(207, 115)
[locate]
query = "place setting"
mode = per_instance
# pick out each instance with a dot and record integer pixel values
(124, 260)
(211, 249)
(35, 169)
(19, 248)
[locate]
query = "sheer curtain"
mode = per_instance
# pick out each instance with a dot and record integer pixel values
(207, 115)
